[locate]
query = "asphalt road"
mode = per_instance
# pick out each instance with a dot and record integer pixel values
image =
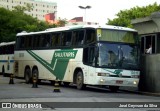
(74, 99)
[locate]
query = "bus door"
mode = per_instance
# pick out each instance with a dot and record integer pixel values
(89, 59)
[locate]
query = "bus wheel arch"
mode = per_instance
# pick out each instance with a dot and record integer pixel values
(78, 78)
(27, 74)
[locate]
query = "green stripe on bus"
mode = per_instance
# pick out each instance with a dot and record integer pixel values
(116, 71)
(59, 61)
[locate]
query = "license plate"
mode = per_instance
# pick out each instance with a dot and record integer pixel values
(119, 82)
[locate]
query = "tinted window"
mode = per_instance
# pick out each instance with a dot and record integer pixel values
(78, 38)
(55, 39)
(88, 56)
(66, 38)
(90, 36)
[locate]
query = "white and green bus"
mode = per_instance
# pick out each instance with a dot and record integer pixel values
(82, 55)
(7, 58)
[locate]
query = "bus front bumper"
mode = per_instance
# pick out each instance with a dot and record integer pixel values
(117, 81)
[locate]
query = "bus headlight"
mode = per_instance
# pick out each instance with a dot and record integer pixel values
(102, 80)
(103, 74)
(134, 82)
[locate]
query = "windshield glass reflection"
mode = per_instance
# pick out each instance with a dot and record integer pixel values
(118, 56)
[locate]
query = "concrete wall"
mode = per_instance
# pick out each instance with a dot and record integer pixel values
(150, 73)
(150, 69)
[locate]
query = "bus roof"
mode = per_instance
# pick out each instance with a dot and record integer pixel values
(7, 43)
(78, 27)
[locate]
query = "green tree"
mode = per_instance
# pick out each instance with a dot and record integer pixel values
(124, 17)
(13, 22)
(61, 22)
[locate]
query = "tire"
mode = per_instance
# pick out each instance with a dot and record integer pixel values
(3, 72)
(80, 81)
(113, 88)
(28, 75)
(35, 73)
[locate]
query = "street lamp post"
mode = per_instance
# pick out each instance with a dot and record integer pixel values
(86, 7)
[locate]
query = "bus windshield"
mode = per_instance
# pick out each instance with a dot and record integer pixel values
(115, 55)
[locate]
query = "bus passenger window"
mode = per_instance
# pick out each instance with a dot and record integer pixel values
(55, 39)
(41, 41)
(88, 56)
(78, 38)
(36, 41)
(66, 38)
(90, 36)
(28, 41)
(47, 40)
(22, 41)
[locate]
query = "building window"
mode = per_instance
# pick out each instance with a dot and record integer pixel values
(148, 44)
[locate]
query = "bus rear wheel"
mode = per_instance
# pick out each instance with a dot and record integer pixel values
(35, 74)
(113, 88)
(80, 81)
(28, 75)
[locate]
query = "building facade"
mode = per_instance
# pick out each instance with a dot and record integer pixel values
(40, 7)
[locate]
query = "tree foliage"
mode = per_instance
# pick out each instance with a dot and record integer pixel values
(13, 22)
(61, 22)
(124, 17)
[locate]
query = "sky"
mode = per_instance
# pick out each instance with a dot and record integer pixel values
(100, 10)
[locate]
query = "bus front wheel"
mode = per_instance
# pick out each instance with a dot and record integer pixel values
(80, 81)
(3, 72)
